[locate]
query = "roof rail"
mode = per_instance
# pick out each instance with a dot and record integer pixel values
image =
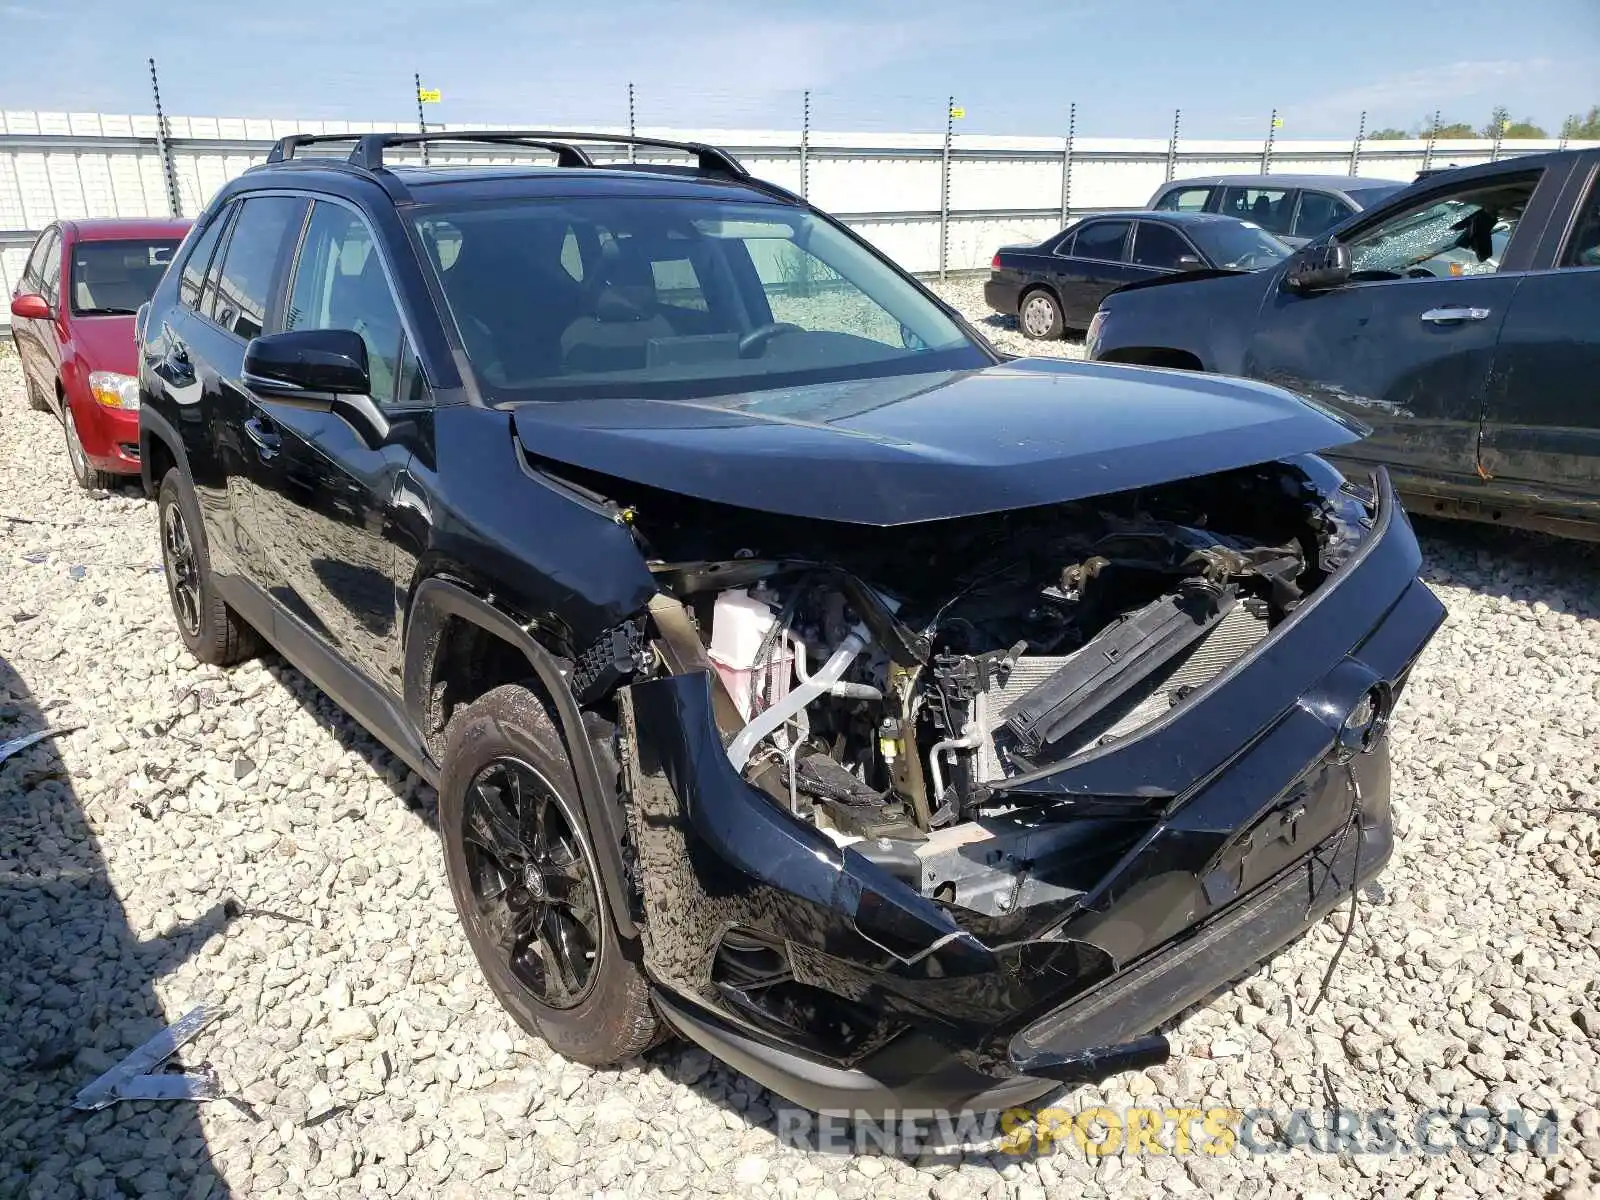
(369, 147)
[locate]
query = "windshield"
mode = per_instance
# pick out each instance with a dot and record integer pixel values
(1238, 245)
(1368, 196)
(113, 278)
(675, 298)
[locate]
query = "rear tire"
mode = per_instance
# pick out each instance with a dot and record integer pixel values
(1039, 316)
(526, 883)
(211, 631)
(88, 477)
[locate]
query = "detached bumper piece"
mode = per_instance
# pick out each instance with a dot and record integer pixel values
(1264, 799)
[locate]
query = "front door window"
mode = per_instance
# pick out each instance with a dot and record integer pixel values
(339, 284)
(1463, 232)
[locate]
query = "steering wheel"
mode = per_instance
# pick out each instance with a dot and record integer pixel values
(1420, 273)
(758, 337)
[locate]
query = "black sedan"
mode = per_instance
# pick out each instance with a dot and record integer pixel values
(1058, 284)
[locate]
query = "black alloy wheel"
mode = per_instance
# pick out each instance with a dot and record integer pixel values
(182, 569)
(534, 889)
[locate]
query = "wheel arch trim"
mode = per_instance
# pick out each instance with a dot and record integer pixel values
(434, 602)
(153, 427)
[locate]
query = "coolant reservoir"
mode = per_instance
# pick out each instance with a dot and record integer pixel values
(739, 624)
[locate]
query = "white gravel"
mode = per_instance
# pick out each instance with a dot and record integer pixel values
(966, 293)
(235, 839)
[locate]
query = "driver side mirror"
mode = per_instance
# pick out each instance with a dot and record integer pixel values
(31, 307)
(307, 366)
(1319, 268)
(1191, 262)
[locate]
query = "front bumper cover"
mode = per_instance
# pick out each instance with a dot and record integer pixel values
(1269, 823)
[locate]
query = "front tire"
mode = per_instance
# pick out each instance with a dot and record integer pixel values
(1039, 316)
(88, 477)
(36, 397)
(526, 883)
(211, 631)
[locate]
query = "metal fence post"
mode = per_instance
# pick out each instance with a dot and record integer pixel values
(944, 189)
(1066, 165)
(1266, 151)
(1172, 146)
(805, 146)
(164, 146)
(1433, 136)
(422, 121)
(631, 130)
(1355, 149)
(1500, 117)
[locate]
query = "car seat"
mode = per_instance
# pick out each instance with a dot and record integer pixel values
(616, 335)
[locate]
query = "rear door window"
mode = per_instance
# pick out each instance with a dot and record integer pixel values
(1583, 247)
(1317, 213)
(1270, 208)
(1160, 246)
(250, 266)
(194, 266)
(1190, 199)
(1102, 240)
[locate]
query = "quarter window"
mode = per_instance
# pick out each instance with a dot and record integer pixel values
(1191, 199)
(194, 267)
(1270, 208)
(250, 264)
(1159, 246)
(1104, 240)
(339, 284)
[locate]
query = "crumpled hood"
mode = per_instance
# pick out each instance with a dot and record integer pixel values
(910, 448)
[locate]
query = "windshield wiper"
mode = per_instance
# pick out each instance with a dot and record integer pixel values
(107, 312)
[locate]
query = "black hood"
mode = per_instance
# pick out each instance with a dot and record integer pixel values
(1180, 277)
(892, 451)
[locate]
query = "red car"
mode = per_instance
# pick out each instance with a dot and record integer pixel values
(72, 319)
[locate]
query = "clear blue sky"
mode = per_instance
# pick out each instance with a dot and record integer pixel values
(871, 64)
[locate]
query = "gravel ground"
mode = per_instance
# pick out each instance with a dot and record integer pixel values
(966, 293)
(233, 838)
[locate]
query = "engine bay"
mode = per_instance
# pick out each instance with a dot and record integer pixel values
(888, 684)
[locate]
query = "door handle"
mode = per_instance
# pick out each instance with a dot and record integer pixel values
(1451, 315)
(266, 442)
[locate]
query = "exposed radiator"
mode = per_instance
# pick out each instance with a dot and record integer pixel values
(1234, 634)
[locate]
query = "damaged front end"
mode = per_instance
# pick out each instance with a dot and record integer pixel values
(943, 813)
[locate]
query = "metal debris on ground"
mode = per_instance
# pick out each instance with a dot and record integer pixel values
(17, 744)
(130, 1078)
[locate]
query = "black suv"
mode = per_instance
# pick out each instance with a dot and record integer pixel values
(1459, 319)
(906, 726)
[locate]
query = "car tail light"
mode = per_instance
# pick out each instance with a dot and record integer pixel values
(994, 263)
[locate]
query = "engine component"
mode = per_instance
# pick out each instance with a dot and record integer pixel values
(1115, 660)
(743, 633)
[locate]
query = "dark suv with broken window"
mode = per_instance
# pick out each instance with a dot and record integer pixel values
(907, 726)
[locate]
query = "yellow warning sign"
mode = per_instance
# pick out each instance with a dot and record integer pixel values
(429, 95)
(957, 113)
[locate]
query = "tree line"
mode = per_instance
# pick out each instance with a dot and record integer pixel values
(1585, 126)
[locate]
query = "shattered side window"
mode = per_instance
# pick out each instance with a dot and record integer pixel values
(1462, 233)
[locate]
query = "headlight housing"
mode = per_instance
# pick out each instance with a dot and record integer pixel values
(111, 389)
